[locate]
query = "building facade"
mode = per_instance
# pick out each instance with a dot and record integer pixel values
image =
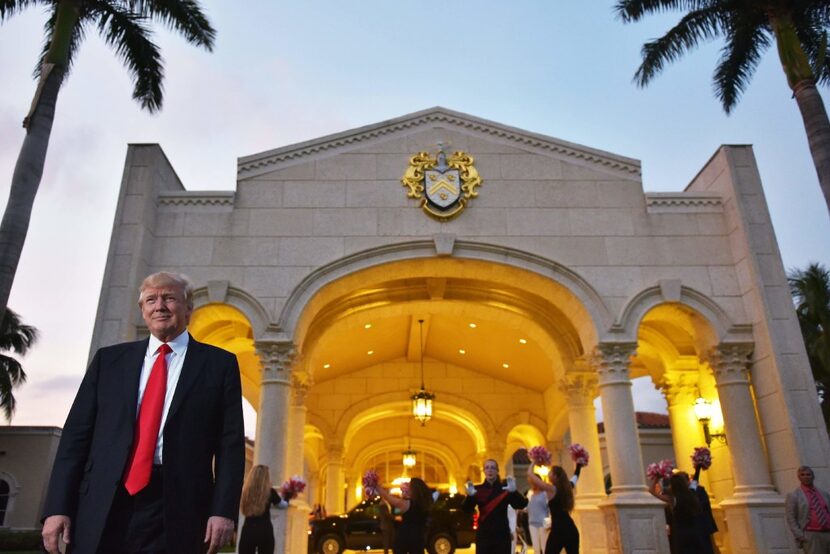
(515, 276)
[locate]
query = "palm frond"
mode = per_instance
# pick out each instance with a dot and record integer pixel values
(78, 35)
(747, 41)
(9, 8)
(11, 375)
(128, 34)
(693, 28)
(634, 10)
(15, 335)
(812, 34)
(184, 16)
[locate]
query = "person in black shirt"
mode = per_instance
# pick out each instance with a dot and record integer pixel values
(257, 536)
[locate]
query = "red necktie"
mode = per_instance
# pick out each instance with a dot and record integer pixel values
(148, 425)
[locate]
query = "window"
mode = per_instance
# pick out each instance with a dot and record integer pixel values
(4, 500)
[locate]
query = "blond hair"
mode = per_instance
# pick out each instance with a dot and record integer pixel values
(167, 278)
(256, 491)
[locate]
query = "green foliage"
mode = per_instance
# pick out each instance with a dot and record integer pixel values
(810, 289)
(18, 338)
(125, 27)
(749, 28)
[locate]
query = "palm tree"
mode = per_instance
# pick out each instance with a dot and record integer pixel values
(18, 338)
(810, 289)
(798, 28)
(124, 25)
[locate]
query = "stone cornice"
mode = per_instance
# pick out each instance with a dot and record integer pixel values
(196, 198)
(271, 160)
(683, 202)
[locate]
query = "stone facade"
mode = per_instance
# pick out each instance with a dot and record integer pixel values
(317, 267)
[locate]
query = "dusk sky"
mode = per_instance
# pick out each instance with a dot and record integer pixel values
(287, 72)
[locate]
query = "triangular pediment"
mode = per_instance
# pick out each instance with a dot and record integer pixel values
(354, 139)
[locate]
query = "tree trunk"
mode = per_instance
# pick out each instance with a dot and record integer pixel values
(25, 181)
(29, 167)
(817, 126)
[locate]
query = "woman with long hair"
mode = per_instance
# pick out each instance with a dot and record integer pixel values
(686, 512)
(414, 504)
(257, 536)
(560, 495)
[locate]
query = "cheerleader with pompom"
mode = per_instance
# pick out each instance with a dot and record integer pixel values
(413, 505)
(560, 496)
(491, 498)
(257, 535)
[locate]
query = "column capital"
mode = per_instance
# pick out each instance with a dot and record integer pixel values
(300, 384)
(277, 360)
(611, 361)
(580, 387)
(679, 386)
(730, 362)
(334, 451)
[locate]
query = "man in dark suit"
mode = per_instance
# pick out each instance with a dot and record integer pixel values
(151, 458)
(493, 535)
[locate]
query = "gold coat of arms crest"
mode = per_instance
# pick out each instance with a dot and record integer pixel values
(443, 183)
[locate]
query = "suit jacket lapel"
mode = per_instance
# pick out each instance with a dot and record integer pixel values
(133, 364)
(191, 368)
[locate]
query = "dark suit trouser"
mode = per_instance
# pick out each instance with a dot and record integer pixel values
(135, 524)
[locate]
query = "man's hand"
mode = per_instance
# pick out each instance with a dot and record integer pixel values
(218, 534)
(54, 528)
(511, 484)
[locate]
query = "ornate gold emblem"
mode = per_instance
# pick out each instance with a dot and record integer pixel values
(442, 183)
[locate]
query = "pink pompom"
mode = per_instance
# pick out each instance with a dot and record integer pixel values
(702, 457)
(405, 490)
(660, 470)
(370, 482)
(292, 487)
(540, 456)
(579, 454)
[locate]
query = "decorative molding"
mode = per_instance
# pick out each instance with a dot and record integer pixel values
(300, 385)
(277, 360)
(730, 363)
(683, 202)
(678, 386)
(611, 361)
(197, 198)
(579, 387)
(252, 165)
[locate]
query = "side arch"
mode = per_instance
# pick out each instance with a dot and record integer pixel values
(721, 324)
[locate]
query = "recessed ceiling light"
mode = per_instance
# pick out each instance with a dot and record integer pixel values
(473, 325)
(367, 326)
(370, 352)
(505, 366)
(462, 351)
(523, 341)
(326, 366)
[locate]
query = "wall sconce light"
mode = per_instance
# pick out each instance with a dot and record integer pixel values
(703, 413)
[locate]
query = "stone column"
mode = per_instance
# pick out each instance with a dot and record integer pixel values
(335, 479)
(755, 513)
(298, 510)
(580, 388)
(634, 520)
(277, 359)
(680, 391)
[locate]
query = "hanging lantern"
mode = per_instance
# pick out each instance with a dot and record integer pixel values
(422, 400)
(409, 459)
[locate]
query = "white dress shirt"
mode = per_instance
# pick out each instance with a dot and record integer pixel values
(175, 360)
